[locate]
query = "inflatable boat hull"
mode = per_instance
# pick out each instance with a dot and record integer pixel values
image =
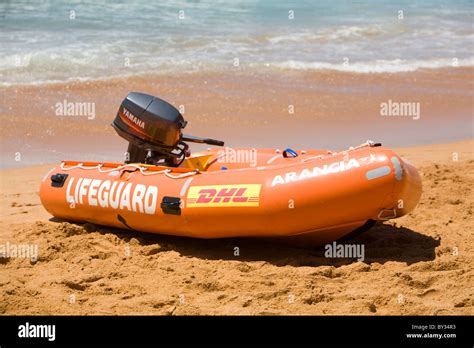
(316, 197)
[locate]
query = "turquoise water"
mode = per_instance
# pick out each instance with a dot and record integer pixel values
(43, 41)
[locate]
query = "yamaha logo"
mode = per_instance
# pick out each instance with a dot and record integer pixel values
(134, 118)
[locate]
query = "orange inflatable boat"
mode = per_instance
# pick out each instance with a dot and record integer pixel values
(313, 196)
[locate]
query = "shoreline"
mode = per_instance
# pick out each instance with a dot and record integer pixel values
(243, 72)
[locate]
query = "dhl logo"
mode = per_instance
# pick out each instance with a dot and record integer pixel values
(246, 195)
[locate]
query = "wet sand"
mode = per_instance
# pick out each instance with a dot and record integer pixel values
(330, 110)
(418, 264)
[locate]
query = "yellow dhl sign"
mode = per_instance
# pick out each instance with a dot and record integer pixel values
(245, 195)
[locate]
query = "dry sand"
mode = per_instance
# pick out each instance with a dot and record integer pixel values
(419, 264)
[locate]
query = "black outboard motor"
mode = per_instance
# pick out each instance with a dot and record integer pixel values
(153, 129)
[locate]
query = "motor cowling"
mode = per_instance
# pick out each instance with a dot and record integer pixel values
(152, 127)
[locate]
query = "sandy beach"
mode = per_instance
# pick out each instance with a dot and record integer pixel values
(419, 264)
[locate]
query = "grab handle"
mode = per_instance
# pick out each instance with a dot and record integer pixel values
(289, 153)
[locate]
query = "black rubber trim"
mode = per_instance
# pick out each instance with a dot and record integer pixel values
(171, 205)
(58, 180)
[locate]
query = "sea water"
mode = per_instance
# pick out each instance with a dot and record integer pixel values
(58, 41)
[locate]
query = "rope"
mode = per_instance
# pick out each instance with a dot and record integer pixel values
(367, 143)
(184, 175)
(312, 158)
(141, 169)
(179, 176)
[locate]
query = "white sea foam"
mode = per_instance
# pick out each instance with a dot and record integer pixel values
(377, 66)
(339, 33)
